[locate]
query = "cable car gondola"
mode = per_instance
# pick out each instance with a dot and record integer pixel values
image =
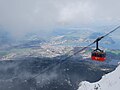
(97, 54)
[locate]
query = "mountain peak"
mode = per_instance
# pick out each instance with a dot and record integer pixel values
(109, 81)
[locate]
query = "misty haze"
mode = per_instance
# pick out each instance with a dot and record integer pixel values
(52, 44)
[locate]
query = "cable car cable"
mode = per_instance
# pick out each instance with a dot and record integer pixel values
(111, 31)
(99, 38)
(62, 61)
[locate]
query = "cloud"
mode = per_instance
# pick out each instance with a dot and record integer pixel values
(77, 12)
(22, 16)
(90, 11)
(27, 15)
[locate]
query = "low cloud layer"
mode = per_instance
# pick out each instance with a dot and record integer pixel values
(22, 16)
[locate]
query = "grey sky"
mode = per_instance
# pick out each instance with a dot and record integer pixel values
(21, 16)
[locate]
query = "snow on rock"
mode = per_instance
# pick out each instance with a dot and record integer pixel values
(109, 81)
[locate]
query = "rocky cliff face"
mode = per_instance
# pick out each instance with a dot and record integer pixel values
(109, 81)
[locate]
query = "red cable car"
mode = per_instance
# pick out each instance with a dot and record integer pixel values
(97, 54)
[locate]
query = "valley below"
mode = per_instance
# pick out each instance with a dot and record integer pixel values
(31, 74)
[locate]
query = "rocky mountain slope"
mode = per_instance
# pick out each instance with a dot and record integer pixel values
(109, 81)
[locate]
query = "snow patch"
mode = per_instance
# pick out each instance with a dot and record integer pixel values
(109, 81)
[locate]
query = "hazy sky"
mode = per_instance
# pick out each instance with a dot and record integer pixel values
(21, 16)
